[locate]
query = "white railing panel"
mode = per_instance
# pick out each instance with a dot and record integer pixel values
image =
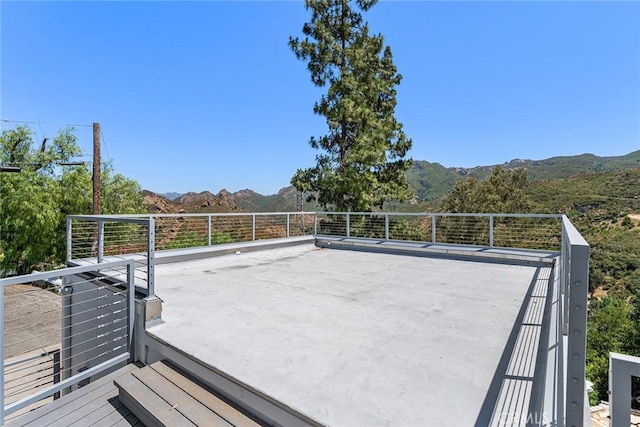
(83, 322)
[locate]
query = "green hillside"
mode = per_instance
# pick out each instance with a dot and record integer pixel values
(431, 181)
(605, 207)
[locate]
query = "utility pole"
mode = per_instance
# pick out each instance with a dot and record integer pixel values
(96, 168)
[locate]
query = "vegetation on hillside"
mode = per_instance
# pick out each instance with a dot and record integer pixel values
(34, 203)
(605, 208)
(362, 160)
(432, 181)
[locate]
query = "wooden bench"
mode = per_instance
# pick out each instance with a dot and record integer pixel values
(160, 395)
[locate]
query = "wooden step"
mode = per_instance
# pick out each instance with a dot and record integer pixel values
(159, 395)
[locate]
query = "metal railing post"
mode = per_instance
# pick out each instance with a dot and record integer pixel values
(100, 240)
(2, 354)
(490, 231)
(253, 227)
(131, 289)
(621, 368)
(66, 344)
(577, 337)
(315, 223)
(69, 238)
(151, 254)
(348, 225)
(287, 224)
(208, 230)
(433, 228)
(386, 226)
(566, 276)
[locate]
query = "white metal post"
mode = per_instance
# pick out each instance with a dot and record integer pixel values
(348, 225)
(131, 289)
(69, 237)
(490, 231)
(2, 354)
(253, 227)
(577, 337)
(151, 255)
(621, 368)
(386, 226)
(287, 224)
(433, 228)
(208, 230)
(100, 240)
(315, 224)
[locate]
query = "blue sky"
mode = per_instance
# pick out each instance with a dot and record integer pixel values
(196, 96)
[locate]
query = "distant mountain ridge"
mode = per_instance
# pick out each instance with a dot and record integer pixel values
(429, 182)
(170, 196)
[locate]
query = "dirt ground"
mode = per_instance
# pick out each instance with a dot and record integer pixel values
(32, 319)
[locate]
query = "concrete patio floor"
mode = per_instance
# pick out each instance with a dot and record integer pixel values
(348, 338)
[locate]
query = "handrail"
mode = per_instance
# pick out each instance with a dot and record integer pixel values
(575, 285)
(109, 350)
(548, 232)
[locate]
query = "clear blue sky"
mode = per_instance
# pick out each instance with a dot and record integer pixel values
(196, 96)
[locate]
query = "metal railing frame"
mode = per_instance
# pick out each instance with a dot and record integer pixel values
(574, 283)
(573, 275)
(434, 216)
(75, 379)
(621, 368)
(147, 221)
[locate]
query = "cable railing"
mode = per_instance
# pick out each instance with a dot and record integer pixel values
(61, 328)
(522, 231)
(98, 238)
(139, 238)
(95, 239)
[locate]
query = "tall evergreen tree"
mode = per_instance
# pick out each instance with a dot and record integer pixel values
(362, 163)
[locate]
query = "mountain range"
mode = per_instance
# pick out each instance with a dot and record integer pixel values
(429, 182)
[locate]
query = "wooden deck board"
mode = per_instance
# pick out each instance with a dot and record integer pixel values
(215, 404)
(102, 415)
(94, 393)
(179, 400)
(80, 409)
(129, 420)
(150, 408)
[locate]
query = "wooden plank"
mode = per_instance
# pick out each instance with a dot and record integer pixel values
(204, 396)
(129, 420)
(67, 404)
(106, 414)
(79, 412)
(150, 408)
(182, 402)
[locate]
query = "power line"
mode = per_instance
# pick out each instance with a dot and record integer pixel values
(104, 142)
(44, 123)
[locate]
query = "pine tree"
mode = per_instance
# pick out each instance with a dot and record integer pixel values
(362, 163)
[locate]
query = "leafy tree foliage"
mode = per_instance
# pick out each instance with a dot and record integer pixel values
(504, 191)
(611, 327)
(34, 203)
(363, 160)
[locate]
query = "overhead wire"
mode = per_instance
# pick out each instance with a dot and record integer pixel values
(104, 142)
(44, 123)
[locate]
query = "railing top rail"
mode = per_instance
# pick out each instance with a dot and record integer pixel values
(508, 215)
(62, 272)
(181, 215)
(213, 214)
(119, 218)
(572, 233)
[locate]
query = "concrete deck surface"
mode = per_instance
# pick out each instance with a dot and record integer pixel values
(348, 338)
